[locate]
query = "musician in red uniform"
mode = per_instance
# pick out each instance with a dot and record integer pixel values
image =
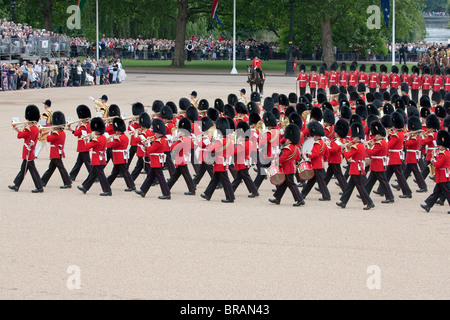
(395, 78)
(166, 115)
(319, 154)
(83, 129)
(354, 152)
(378, 154)
(333, 79)
(384, 79)
(155, 152)
(396, 155)
(30, 136)
(98, 146)
(441, 161)
(203, 142)
(344, 76)
(182, 148)
(302, 80)
(222, 149)
(290, 155)
(427, 81)
(57, 140)
(242, 160)
(416, 84)
(429, 140)
(363, 76)
(119, 144)
(142, 133)
(447, 80)
(406, 78)
(313, 81)
(113, 112)
(323, 79)
(353, 79)
(438, 81)
(335, 154)
(137, 108)
(374, 79)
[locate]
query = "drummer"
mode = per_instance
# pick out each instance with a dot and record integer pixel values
(290, 154)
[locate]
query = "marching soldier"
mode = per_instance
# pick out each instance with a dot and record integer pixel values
(427, 81)
(313, 81)
(363, 76)
(416, 84)
(57, 140)
(113, 112)
(119, 144)
(102, 105)
(395, 78)
(155, 153)
(166, 115)
(374, 80)
(441, 162)
(142, 133)
(137, 108)
(203, 142)
(98, 145)
(47, 116)
(438, 81)
(429, 140)
(30, 136)
(82, 130)
(354, 152)
(290, 155)
(406, 78)
(302, 80)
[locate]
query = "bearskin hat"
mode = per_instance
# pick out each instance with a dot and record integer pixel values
(405, 118)
(119, 125)
(443, 94)
(395, 97)
(372, 110)
(341, 128)
(443, 138)
(334, 66)
(350, 88)
(229, 111)
(268, 104)
(405, 68)
(394, 69)
(362, 68)
(219, 105)
(361, 87)
(342, 90)
(415, 69)
(424, 101)
(172, 106)
(137, 108)
(346, 112)
(424, 112)
(334, 89)
(269, 119)
(276, 112)
(166, 113)
(203, 105)
(404, 87)
(388, 109)
(253, 118)
(354, 96)
(97, 124)
(241, 108)
(252, 107)
(362, 111)
(406, 99)
(255, 96)
(377, 128)
(414, 123)
(315, 129)
(386, 121)
(397, 120)
(352, 67)
(158, 126)
(316, 113)
(275, 98)
(343, 66)
(447, 106)
(446, 123)
(232, 99)
(370, 97)
(383, 68)
(144, 120)
(243, 129)
(283, 100)
(292, 132)
(437, 71)
(297, 119)
(302, 67)
(378, 104)
(293, 98)
(447, 71)
(114, 111)
(192, 114)
(184, 103)
(436, 97)
(313, 67)
(342, 97)
(322, 70)
(301, 107)
(328, 116)
(303, 99)
(371, 118)
(373, 68)
(412, 103)
(393, 91)
(378, 96)
(213, 114)
(412, 111)
(58, 118)
(207, 123)
(439, 111)
(157, 105)
(355, 118)
(289, 110)
(386, 96)
(321, 98)
(357, 130)
(326, 105)
(399, 104)
(360, 102)
(83, 112)
(426, 70)
(185, 124)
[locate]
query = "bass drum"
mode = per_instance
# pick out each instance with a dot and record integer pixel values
(276, 176)
(307, 147)
(305, 170)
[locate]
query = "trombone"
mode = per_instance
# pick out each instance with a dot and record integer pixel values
(23, 123)
(133, 118)
(68, 125)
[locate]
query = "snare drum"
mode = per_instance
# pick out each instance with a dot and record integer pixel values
(276, 176)
(306, 171)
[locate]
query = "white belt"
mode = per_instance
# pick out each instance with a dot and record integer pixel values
(417, 152)
(400, 153)
(360, 164)
(125, 153)
(384, 158)
(60, 147)
(447, 172)
(162, 157)
(100, 154)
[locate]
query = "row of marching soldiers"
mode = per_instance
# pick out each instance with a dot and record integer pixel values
(233, 136)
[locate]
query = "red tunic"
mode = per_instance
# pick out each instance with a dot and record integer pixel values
(416, 82)
(427, 82)
(141, 148)
(319, 152)
(430, 145)
(334, 79)
(412, 146)
(335, 152)
(313, 80)
(353, 79)
(242, 155)
(323, 82)
(407, 78)
(79, 133)
(223, 149)
(442, 165)
(378, 154)
(356, 157)
(302, 80)
(132, 126)
(256, 63)
(30, 136)
(447, 83)
(395, 81)
(374, 80)
(57, 141)
(119, 146)
(156, 153)
(364, 78)
(289, 157)
(98, 147)
(182, 149)
(438, 83)
(344, 79)
(395, 145)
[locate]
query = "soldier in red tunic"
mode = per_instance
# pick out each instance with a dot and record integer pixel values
(374, 79)
(302, 80)
(113, 112)
(137, 108)
(323, 79)
(441, 162)
(429, 140)
(354, 152)
(363, 76)
(416, 84)
(438, 81)
(447, 80)
(384, 79)
(30, 136)
(142, 134)
(57, 140)
(406, 78)
(343, 81)
(83, 129)
(98, 145)
(395, 78)
(119, 144)
(203, 142)
(427, 81)
(290, 155)
(313, 81)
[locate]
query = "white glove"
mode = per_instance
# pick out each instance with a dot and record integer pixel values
(92, 99)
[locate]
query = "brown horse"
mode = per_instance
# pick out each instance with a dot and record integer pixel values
(255, 79)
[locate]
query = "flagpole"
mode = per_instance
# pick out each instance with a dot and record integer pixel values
(234, 70)
(96, 13)
(393, 33)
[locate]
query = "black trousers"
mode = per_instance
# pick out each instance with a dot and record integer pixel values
(56, 163)
(415, 95)
(97, 172)
(155, 173)
(379, 176)
(302, 91)
(261, 171)
(244, 175)
(397, 169)
(414, 168)
(31, 167)
(319, 177)
(288, 183)
(140, 164)
(426, 93)
(194, 161)
(440, 189)
(121, 168)
(204, 167)
(373, 90)
(226, 184)
(131, 153)
(169, 163)
(382, 91)
(109, 154)
(335, 169)
(184, 171)
(313, 92)
(426, 170)
(232, 171)
(83, 158)
(356, 181)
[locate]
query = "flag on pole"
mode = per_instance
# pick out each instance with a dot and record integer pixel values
(386, 11)
(214, 8)
(218, 20)
(81, 4)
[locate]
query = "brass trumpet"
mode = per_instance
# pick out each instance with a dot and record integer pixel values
(70, 124)
(23, 123)
(50, 128)
(133, 118)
